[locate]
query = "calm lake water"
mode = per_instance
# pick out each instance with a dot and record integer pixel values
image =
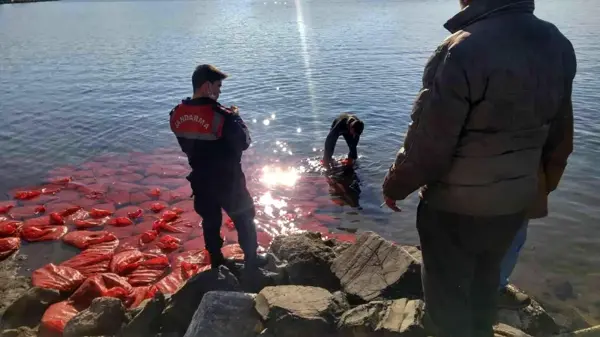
(79, 79)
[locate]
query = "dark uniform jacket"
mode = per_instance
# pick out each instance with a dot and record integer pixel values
(212, 137)
(492, 126)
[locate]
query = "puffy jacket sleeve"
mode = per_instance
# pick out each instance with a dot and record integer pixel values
(559, 144)
(235, 131)
(438, 117)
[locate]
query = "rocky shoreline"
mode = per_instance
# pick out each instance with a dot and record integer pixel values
(310, 287)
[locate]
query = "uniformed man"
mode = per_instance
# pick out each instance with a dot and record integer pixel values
(214, 137)
(348, 126)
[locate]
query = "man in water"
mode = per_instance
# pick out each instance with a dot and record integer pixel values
(348, 126)
(496, 100)
(214, 137)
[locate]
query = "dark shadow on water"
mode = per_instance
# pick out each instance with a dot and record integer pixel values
(344, 186)
(40, 253)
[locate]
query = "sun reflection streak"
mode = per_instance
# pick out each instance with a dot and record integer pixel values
(305, 54)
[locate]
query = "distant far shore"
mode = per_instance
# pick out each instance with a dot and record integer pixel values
(21, 1)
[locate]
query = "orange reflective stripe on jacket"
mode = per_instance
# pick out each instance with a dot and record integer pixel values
(197, 122)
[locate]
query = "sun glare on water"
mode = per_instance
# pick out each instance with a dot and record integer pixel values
(273, 176)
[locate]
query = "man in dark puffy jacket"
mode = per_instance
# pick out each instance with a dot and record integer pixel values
(495, 103)
(214, 137)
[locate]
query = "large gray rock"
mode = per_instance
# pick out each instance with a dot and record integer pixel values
(308, 260)
(104, 317)
(29, 308)
(297, 311)
(183, 304)
(503, 330)
(225, 314)
(398, 318)
(340, 303)
(147, 321)
(374, 268)
(12, 286)
(20, 332)
(532, 319)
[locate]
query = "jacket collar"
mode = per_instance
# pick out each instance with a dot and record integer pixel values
(482, 9)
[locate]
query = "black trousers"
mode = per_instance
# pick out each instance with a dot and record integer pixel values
(231, 195)
(461, 268)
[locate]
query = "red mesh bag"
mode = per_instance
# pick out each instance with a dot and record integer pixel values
(8, 246)
(125, 262)
(61, 278)
(83, 239)
(106, 284)
(43, 233)
(10, 228)
(56, 318)
(90, 262)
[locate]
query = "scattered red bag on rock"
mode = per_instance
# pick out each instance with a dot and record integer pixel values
(40, 209)
(83, 239)
(169, 243)
(144, 276)
(233, 252)
(169, 216)
(135, 214)
(120, 222)
(156, 207)
(8, 246)
(27, 195)
(61, 278)
(43, 233)
(150, 270)
(97, 213)
(56, 219)
(90, 262)
(56, 317)
(169, 284)
(106, 284)
(196, 256)
(5, 208)
(148, 236)
(162, 225)
(126, 261)
(84, 224)
(70, 211)
(10, 228)
(155, 192)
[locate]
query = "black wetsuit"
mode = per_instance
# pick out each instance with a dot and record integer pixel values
(340, 127)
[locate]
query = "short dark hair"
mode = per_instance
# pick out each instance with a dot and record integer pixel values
(206, 72)
(358, 127)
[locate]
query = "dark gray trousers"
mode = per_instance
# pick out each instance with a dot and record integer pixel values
(461, 268)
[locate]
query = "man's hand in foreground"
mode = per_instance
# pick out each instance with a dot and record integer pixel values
(391, 204)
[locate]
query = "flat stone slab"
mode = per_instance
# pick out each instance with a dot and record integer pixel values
(398, 318)
(297, 311)
(225, 314)
(532, 319)
(374, 268)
